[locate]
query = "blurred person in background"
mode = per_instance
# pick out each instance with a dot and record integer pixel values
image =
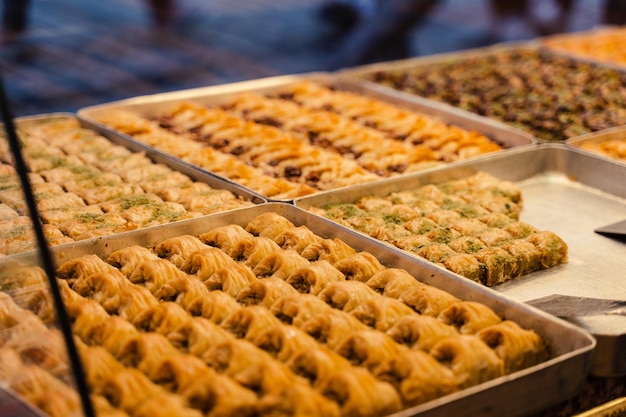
(15, 16)
(367, 31)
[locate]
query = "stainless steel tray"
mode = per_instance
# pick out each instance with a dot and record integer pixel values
(361, 72)
(191, 171)
(516, 394)
(213, 95)
(596, 138)
(570, 193)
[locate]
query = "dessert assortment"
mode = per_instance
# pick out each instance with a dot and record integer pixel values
(553, 97)
(300, 139)
(470, 226)
(268, 318)
(263, 319)
(85, 186)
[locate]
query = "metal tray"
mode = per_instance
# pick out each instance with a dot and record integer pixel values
(516, 394)
(613, 133)
(570, 193)
(360, 72)
(190, 170)
(151, 104)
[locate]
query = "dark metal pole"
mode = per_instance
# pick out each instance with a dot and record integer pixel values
(46, 258)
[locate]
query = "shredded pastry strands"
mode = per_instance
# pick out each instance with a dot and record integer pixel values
(176, 330)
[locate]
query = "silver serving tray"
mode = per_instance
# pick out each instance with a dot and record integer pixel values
(214, 95)
(358, 74)
(613, 133)
(190, 170)
(568, 192)
(516, 394)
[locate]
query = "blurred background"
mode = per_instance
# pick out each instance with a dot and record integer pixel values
(67, 54)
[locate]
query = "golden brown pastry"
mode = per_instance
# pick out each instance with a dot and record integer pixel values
(32, 382)
(128, 388)
(182, 289)
(37, 299)
(231, 279)
(279, 264)
(296, 238)
(417, 376)
(330, 250)
(104, 287)
(177, 372)
(269, 225)
(332, 327)
(517, 347)
(526, 255)
(162, 318)
(44, 348)
(129, 258)
(248, 322)
(419, 331)
(59, 401)
(164, 406)
(98, 363)
(381, 313)
(225, 237)
(18, 277)
(265, 292)
(198, 335)
(313, 278)
(359, 267)
(206, 262)
(234, 356)
(467, 266)
(10, 364)
(317, 364)
(428, 300)
(134, 299)
(296, 401)
(82, 267)
(369, 348)
(103, 408)
(251, 250)
(359, 393)
(347, 295)
(297, 309)
(113, 334)
(499, 265)
(284, 341)
(87, 319)
(145, 351)
(216, 305)
(217, 395)
(178, 249)
(153, 274)
(469, 358)
(266, 377)
(393, 282)
(553, 249)
(469, 316)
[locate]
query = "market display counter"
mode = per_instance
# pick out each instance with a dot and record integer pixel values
(282, 246)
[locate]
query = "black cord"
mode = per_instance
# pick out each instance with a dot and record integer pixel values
(46, 258)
